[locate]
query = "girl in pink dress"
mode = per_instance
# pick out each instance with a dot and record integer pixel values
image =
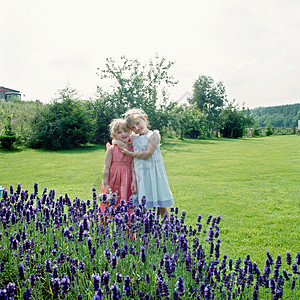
(118, 174)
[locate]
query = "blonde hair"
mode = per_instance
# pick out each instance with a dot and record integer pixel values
(134, 114)
(115, 125)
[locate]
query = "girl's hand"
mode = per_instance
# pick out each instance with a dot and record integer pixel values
(108, 189)
(127, 152)
(134, 187)
(120, 144)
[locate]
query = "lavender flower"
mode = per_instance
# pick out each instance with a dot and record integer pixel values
(183, 214)
(119, 277)
(143, 201)
(294, 268)
(65, 284)
(107, 253)
(27, 259)
(143, 254)
(285, 274)
(180, 285)
(105, 276)
(36, 189)
(293, 283)
(38, 271)
(32, 279)
(126, 287)
(21, 272)
(10, 289)
(85, 223)
(96, 281)
(27, 294)
(269, 257)
(255, 292)
(48, 265)
(3, 294)
(288, 258)
(272, 286)
(114, 261)
(98, 295)
(55, 272)
(81, 266)
(115, 292)
(208, 219)
(56, 286)
(278, 262)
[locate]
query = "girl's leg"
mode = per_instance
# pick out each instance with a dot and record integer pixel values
(164, 211)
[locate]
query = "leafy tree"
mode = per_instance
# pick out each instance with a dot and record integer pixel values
(210, 98)
(9, 138)
(296, 118)
(277, 116)
(234, 121)
(21, 114)
(133, 85)
(192, 123)
(64, 124)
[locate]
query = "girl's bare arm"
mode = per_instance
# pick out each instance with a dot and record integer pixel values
(152, 144)
(133, 183)
(106, 170)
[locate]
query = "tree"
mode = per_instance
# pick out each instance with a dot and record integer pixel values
(234, 121)
(192, 123)
(63, 124)
(210, 98)
(133, 85)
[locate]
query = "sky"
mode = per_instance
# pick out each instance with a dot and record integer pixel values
(253, 47)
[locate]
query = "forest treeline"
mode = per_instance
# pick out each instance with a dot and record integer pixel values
(277, 116)
(68, 121)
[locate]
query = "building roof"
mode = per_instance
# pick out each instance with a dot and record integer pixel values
(7, 90)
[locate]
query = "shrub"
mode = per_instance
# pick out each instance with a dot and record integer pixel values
(269, 130)
(48, 251)
(64, 124)
(256, 130)
(9, 138)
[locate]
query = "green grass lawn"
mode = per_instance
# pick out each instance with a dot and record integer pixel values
(253, 184)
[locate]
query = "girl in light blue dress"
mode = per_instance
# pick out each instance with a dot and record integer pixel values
(149, 167)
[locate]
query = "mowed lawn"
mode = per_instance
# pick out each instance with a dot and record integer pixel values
(253, 184)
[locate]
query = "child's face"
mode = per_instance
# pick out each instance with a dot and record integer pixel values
(123, 134)
(139, 126)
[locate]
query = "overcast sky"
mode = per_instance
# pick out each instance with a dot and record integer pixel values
(253, 47)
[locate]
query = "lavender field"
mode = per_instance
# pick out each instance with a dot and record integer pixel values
(55, 248)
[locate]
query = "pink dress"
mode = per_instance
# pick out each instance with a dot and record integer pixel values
(120, 173)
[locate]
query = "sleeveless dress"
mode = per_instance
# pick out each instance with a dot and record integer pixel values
(151, 175)
(120, 173)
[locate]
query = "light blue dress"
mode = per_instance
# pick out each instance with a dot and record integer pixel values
(151, 175)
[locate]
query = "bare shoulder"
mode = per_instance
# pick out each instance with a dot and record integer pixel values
(133, 135)
(155, 137)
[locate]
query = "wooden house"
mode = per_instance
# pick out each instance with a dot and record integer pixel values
(6, 94)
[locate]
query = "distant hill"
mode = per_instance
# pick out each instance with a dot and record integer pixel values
(278, 116)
